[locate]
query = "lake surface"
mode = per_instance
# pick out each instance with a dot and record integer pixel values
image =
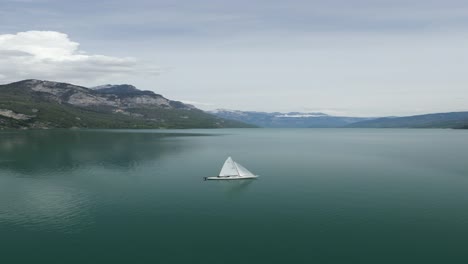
(323, 196)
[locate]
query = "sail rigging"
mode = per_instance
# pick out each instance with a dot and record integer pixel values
(229, 168)
(243, 171)
(232, 170)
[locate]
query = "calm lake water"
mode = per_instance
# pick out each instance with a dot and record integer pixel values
(324, 196)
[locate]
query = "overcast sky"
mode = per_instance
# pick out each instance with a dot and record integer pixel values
(346, 57)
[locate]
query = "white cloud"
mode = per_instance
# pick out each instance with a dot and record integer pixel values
(52, 55)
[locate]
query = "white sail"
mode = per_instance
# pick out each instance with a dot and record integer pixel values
(243, 171)
(229, 168)
(232, 170)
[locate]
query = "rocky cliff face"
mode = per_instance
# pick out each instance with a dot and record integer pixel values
(46, 104)
(117, 96)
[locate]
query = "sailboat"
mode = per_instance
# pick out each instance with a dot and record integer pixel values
(232, 170)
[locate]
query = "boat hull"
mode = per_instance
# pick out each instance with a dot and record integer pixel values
(230, 178)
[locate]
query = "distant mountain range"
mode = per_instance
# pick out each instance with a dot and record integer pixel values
(46, 104)
(287, 120)
(438, 120)
(321, 120)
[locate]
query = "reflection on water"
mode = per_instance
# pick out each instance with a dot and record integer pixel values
(49, 179)
(34, 152)
(325, 196)
(233, 187)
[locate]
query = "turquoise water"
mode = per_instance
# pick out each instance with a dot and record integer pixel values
(323, 196)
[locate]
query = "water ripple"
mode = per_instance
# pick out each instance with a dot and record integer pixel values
(42, 205)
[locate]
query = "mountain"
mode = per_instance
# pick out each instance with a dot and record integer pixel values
(121, 89)
(128, 93)
(287, 120)
(439, 120)
(46, 104)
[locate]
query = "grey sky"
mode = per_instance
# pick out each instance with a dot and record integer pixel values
(365, 57)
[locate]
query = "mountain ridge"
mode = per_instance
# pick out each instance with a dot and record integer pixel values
(288, 119)
(434, 120)
(322, 120)
(46, 104)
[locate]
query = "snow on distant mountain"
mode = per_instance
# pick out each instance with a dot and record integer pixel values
(295, 114)
(291, 119)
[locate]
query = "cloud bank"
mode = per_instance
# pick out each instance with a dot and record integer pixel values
(52, 55)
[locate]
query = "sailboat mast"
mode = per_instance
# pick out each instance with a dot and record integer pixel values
(237, 169)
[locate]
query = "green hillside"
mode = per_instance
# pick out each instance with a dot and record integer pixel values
(27, 104)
